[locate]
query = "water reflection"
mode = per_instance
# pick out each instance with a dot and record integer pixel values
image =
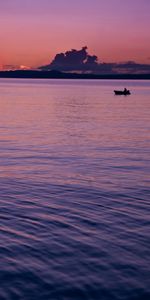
(74, 190)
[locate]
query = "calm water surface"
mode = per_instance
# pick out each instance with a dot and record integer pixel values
(74, 190)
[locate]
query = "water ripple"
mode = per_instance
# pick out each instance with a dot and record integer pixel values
(74, 197)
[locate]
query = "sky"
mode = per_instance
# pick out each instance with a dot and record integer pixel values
(33, 31)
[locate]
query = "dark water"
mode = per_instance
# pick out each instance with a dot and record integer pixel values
(74, 190)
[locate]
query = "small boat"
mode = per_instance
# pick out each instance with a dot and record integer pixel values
(124, 92)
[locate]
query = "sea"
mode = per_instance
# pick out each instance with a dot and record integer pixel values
(74, 190)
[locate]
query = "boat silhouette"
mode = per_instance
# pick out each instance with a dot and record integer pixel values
(124, 92)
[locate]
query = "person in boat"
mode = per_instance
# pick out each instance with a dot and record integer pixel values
(125, 90)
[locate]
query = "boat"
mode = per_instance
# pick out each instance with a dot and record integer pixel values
(124, 92)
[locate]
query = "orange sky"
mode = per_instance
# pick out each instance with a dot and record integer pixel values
(32, 32)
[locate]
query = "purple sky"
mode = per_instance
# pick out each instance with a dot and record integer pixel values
(33, 31)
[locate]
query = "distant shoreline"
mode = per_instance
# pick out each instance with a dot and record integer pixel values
(60, 75)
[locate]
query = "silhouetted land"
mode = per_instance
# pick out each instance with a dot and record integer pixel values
(60, 75)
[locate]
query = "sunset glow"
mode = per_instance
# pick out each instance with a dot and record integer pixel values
(33, 31)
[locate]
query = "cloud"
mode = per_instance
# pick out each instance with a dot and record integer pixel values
(23, 67)
(132, 68)
(9, 67)
(73, 60)
(81, 61)
(14, 67)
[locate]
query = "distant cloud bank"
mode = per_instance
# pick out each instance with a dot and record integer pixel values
(81, 61)
(13, 67)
